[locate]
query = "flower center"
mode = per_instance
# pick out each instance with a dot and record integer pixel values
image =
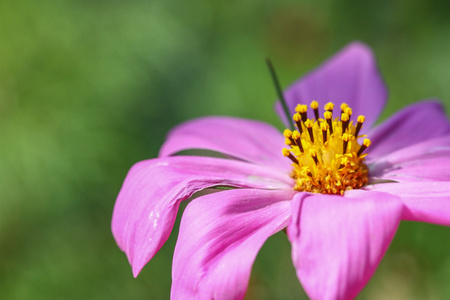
(325, 153)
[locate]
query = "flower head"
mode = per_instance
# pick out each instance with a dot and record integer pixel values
(340, 187)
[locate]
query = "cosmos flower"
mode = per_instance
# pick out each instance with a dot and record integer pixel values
(341, 186)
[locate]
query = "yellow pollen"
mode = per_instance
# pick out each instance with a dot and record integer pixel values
(313, 154)
(326, 155)
(301, 108)
(344, 117)
(329, 106)
(309, 123)
(344, 161)
(287, 133)
(348, 111)
(305, 171)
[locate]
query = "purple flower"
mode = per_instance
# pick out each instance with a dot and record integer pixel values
(337, 241)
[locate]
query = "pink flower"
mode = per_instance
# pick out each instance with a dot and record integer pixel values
(337, 241)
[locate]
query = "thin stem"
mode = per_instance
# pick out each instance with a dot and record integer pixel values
(279, 92)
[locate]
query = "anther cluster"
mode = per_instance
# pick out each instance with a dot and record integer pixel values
(325, 153)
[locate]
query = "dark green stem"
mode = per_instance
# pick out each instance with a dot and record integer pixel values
(280, 92)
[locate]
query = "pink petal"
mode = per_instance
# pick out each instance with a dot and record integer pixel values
(351, 76)
(414, 124)
(424, 201)
(220, 236)
(148, 202)
(337, 242)
(249, 140)
(425, 161)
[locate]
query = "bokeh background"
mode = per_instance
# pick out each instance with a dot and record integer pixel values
(87, 88)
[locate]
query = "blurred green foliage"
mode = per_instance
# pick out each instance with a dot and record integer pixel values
(87, 88)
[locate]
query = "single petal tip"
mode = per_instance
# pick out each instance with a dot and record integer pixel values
(136, 270)
(358, 45)
(359, 50)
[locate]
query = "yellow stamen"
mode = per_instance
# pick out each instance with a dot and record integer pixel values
(344, 162)
(309, 125)
(344, 118)
(313, 154)
(298, 121)
(328, 116)
(306, 171)
(302, 109)
(349, 112)
(324, 126)
(345, 137)
(366, 143)
(360, 120)
(287, 153)
(323, 162)
(296, 137)
(315, 106)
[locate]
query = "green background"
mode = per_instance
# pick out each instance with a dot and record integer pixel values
(87, 88)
